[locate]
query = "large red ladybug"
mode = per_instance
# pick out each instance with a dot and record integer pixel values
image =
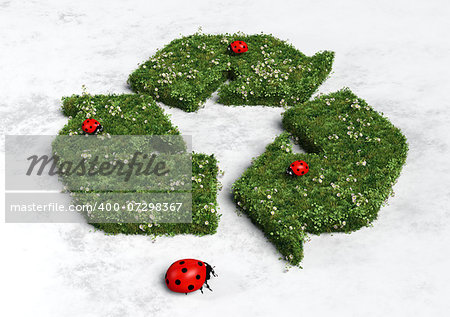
(188, 275)
(238, 47)
(91, 126)
(298, 168)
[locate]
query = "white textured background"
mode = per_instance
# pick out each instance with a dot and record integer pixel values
(394, 54)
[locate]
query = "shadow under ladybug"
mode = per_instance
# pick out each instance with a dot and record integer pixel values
(189, 275)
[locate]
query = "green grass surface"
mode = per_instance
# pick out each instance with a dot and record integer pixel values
(188, 70)
(355, 156)
(140, 115)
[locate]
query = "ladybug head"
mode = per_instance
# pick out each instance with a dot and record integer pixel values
(289, 171)
(209, 271)
(99, 128)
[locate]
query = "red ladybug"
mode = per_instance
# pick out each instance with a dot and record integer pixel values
(188, 275)
(238, 47)
(298, 168)
(91, 126)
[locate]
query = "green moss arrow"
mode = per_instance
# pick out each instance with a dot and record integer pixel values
(354, 154)
(188, 70)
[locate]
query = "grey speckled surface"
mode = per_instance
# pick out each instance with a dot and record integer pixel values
(394, 55)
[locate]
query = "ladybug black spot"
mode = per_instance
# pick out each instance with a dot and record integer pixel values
(298, 169)
(301, 163)
(239, 50)
(190, 287)
(167, 281)
(303, 172)
(235, 46)
(240, 42)
(181, 262)
(200, 263)
(197, 277)
(90, 127)
(184, 270)
(178, 282)
(244, 46)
